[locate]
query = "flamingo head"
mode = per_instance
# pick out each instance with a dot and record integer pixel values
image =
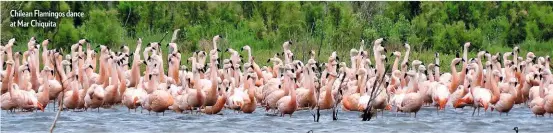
(82, 41)
(442, 102)
(45, 42)
(480, 54)
(245, 48)
(530, 55)
(11, 41)
(32, 41)
(467, 44)
(397, 54)
(353, 52)
(39, 105)
(135, 100)
(379, 41)
(388, 107)
(485, 104)
(239, 104)
(458, 103)
(217, 37)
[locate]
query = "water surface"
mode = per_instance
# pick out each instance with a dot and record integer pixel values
(118, 119)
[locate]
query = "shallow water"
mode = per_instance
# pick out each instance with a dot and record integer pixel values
(118, 119)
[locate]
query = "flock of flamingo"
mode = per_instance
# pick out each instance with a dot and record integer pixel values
(287, 86)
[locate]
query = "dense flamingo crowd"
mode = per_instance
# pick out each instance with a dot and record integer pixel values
(88, 79)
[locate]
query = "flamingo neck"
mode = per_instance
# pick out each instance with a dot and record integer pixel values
(437, 70)
(454, 79)
(286, 84)
(114, 77)
(2, 61)
(123, 84)
(60, 70)
(493, 83)
(465, 55)
(9, 72)
(396, 63)
(16, 75)
(430, 77)
(161, 73)
(46, 88)
(75, 94)
(135, 72)
(176, 73)
(250, 56)
(214, 44)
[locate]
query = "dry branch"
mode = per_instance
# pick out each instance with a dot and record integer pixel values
(367, 113)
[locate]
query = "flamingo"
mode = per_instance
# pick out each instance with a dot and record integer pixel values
(288, 104)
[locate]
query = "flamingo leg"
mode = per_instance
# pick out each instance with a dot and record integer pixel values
(473, 111)
(438, 110)
(478, 114)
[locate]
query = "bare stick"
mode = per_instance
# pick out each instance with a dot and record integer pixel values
(164, 36)
(367, 113)
(58, 114)
(338, 100)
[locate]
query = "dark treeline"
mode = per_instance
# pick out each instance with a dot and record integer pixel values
(427, 26)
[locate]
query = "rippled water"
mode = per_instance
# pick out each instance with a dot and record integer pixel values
(118, 119)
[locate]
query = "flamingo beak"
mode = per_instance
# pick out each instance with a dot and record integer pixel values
(485, 106)
(135, 100)
(41, 107)
(388, 107)
(442, 103)
(457, 103)
(240, 104)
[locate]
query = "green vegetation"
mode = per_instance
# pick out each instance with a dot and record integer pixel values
(326, 26)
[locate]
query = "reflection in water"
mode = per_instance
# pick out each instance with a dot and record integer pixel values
(119, 120)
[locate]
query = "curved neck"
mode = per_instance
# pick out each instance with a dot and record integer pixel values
(46, 86)
(454, 74)
(214, 44)
(415, 81)
(7, 79)
(249, 56)
(286, 84)
(114, 76)
(437, 68)
(454, 79)
(121, 77)
(493, 84)
(354, 62)
(406, 57)
(161, 73)
(396, 63)
(60, 70)
(465, 51)
(430, 77)
(16, 72)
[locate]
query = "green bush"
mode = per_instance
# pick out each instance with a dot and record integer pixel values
(103, 27)
(322, 26)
